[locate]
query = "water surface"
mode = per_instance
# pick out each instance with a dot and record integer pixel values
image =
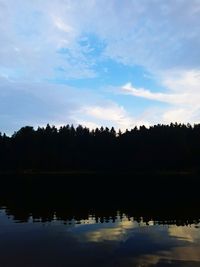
(118, 220)
(118, 240)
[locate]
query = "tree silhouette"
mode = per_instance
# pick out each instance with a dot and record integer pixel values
(160, 147)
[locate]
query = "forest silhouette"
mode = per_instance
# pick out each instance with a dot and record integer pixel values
(171, 197)
(148, 171)
(174, 147)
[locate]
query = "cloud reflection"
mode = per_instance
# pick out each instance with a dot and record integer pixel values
(144, 244)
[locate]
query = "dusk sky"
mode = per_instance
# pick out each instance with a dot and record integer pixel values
(99, 62)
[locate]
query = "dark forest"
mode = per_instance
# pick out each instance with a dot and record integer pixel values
(174, 147)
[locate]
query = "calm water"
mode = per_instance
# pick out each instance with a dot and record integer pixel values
(117, 241)
(74, 220)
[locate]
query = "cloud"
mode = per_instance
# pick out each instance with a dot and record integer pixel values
(144, 41)
(183, 87)
(62, 26)
(32, 33)
(182, 81)
(53, 41)
(107, 114)
(37, 104)
(182, 96)
(163, 97)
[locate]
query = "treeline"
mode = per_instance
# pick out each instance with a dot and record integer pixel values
(160, 147)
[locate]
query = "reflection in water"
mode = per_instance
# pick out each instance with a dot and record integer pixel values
(119, 241)
(46, 222)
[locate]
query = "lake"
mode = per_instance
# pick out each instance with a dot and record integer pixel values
(57, 221)
(111, 241)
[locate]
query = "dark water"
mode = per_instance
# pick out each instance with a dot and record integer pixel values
(119, 241)
(121, 221)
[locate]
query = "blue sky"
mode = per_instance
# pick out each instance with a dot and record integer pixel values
(91, 62)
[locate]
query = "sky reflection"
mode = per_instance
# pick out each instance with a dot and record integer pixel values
(124, 242)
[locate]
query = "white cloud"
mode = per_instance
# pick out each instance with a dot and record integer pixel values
(37, 104)
(182, 81)
(154, 34)
(182, 96)
(107, 114)
(163, 97)
(32, 31)
(62, 26)
(182, 115)
(32, 34)
(41, 40)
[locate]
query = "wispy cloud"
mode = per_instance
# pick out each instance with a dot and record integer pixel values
(48, 42)
(183, 96)
(163, 97)
(108, 114)
(31, 33)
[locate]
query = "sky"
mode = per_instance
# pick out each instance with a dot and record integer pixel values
(99, 63)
